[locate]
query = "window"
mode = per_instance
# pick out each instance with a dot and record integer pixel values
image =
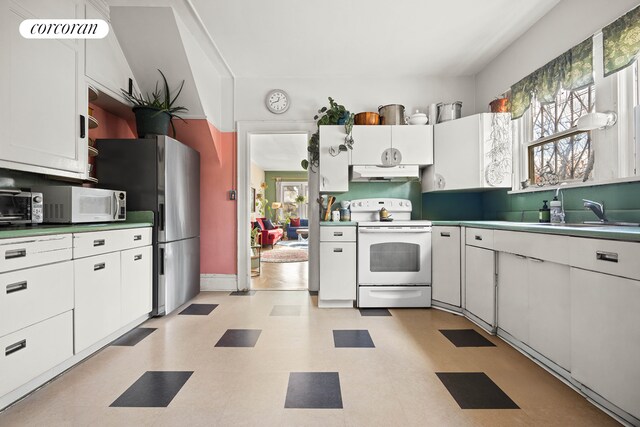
(566, 159)
(294, 197)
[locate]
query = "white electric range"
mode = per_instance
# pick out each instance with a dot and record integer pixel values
(394, 258)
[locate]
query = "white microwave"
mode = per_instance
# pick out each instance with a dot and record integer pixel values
(69, 204)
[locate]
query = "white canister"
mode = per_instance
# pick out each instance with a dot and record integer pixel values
(433, 113)
(335, 216)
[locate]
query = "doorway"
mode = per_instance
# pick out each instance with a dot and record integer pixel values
(278, 211)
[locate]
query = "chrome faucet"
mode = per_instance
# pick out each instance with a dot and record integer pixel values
(597, 208)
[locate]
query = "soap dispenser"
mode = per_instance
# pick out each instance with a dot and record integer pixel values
(557, 217)
(544, 214)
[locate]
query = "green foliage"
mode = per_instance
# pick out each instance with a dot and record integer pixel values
(335, 114)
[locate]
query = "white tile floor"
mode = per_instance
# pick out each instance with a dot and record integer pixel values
(392, 384)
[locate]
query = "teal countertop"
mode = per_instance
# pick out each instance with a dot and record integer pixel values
(134, 220)
(610, 232)
(338, 223)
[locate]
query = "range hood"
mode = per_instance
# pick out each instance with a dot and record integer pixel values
(387, 174)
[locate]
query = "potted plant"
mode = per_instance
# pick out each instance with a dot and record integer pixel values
(154, 113)
(336, 114)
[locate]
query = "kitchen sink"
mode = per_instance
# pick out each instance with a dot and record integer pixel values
(587, 224)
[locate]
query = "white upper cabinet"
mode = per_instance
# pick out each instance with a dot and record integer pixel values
(415, 144)
(44, 95)
(473, 152)
(105, 63)
(334, 165)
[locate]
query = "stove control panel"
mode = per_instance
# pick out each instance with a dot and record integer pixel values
(371, 205)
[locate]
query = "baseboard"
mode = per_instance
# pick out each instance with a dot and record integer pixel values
(218, 282)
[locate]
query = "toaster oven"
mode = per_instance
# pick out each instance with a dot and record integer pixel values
(20, 207)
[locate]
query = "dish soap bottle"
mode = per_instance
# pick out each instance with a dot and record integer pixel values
(544, 214)
(557, 217)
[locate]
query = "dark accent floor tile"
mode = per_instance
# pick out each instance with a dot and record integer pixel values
(374, 312)
(154, 389)
(285, 310)
(239, 338)
(475, 390)
(242, 293)
(133, 337)
(466, 338)
(314, 390)
(199, 309)
(356, 338)
(313, 293)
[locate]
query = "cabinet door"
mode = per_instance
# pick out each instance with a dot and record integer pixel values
(334, 166)
(337, 271)
(480, 283)
(415, 144)
(136, 283)
(43, 95)
(453, 170)
(605, 337)
(513, 296)
(369, 142)
(549, 312)
(105, 62)
(97, 298)
(445, 256)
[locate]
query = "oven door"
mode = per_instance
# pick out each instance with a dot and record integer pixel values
(394, 255)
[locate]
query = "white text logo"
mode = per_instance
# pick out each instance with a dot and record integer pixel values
(64, 28)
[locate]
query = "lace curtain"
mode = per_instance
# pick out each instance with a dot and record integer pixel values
(621, 42)
(572, 70)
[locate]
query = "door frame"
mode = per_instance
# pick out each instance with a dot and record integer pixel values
(243, 166)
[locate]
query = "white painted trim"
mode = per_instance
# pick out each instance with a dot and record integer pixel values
(218, 282)
(576, 185)
(243, 167)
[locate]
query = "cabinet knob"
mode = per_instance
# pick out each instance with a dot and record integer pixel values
(607, 256)
(17, 287)
(99, 242)
(15, 253)
(337, 249)
(99, 266)
(13, 348)
(137, 237)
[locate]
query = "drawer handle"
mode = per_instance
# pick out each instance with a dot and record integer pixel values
(536, 259)
(137, 237)
(337, 233)
(15, 253)
(100, 266)
(137, 257)
(607, 256)
(13, 348)
(99, 242)
(520, 256)
(478, 237)
(445, 234)
(337, 249)
(17, 287)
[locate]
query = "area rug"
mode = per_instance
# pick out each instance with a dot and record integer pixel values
(285, 255)
(303, 244)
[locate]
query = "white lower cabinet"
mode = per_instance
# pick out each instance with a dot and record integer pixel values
(136, 276)
(480, 284)
(445, 258)
(30, 352)
(337, 267)
(605, 336)
(97, 298)
(513, 296)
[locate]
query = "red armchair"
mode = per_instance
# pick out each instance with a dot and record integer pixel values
(269, 237)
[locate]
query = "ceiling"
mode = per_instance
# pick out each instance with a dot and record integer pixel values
(279, 152)
(349, 38)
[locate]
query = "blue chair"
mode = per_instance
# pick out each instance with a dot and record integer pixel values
(291, 231)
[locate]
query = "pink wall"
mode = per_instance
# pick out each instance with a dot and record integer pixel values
(218, 224)
(110, 125)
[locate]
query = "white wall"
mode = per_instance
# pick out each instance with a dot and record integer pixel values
(566, 25)
(257, 176)
(357, 94)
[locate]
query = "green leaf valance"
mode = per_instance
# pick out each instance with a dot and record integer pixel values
(572, 70)
(621, 42)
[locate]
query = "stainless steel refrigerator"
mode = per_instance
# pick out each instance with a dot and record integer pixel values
(161, 175)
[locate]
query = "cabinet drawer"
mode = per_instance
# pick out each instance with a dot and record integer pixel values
(337, 234)
(546, 247)
(481, 237)
(606, 256)
(97, 298)
(32, 251)
(100, 242)
(34, 294)
(34, 350)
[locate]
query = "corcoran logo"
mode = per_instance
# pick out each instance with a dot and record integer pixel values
(64, 28)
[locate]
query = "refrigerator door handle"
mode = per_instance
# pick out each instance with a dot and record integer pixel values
(161, 262)
(161, 217)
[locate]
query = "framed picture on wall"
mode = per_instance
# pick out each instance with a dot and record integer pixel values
(253, 200)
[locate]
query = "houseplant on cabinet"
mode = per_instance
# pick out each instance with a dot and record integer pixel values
(154, 113)
(336, 114)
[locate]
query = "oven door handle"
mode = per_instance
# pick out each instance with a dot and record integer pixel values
(393, 231)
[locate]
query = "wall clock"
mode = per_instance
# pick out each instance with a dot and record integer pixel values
(278, 101)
